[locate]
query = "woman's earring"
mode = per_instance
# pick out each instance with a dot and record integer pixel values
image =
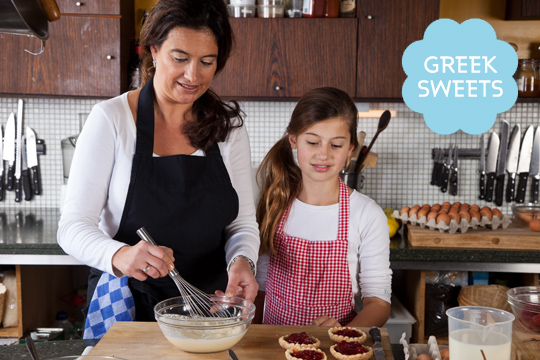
(154, 62)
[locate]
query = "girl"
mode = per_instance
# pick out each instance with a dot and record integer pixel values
(324, 247)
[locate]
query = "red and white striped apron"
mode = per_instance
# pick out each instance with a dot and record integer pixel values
(307, 279)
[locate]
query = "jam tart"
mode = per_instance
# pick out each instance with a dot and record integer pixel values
(345, 333)
(299, 341)
(308, 354)
(351, 350)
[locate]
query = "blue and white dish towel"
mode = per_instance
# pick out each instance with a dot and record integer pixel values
(112, 301)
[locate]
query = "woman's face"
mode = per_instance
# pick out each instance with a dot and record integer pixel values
(323, 149)
(185, 64)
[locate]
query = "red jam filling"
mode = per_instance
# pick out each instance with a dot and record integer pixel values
(307, 355)
(300, 338)
(350, 348)
(348, 332)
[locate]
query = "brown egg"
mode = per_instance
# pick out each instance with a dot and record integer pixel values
(432, 215)
(426, 206)
(444, 218)
(475, 214)
(534, 224)
(457, 203)
(422, 212)
(444, 210)
(465, 215)
(496, 212)
(475, 207)
(404, 210)
(414, 210)
(467, 205)
(436, 207)
(487, 213)
(454, 216)
(445, 354)
(464, 208)
(446, 203)
(485, 208)
(424, 357)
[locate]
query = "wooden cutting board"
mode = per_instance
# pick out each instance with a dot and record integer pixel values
(516, 236)
(144, 340)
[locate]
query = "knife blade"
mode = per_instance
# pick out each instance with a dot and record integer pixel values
(446, 170)
(491, 165)
(534, 170)
(31, 149)
(501, 163)
(378, 350)
(9, 149)
(18, 157)
(232, 355)
(24, 172)
(512, 162)
(454, 173)
(1, 166)
(482, 168)
(524, 164)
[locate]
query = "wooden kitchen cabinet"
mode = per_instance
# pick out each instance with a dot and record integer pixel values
(284, 58)
(386, 28)
(522, 10)
(84, 56)
(15, 331)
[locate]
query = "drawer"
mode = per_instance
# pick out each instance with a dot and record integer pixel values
(87, 7)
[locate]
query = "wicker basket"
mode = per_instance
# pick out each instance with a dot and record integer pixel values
(493, 296)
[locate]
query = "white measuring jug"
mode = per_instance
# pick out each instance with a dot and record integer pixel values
(479, 333)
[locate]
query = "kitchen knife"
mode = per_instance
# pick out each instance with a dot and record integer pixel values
(512, 162)
(435, 167)
(441, 165)
(378, 350)
(482, 168)
(534, 170)
(9, 150)
(501, 163)
(232, 355)
(454, 173)
(524, 164)
(31, 149)
(18, 157)
(24, 172)
(446, 170)
(491, 165)
(1, 166)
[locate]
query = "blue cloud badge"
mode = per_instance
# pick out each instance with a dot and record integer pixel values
(460, 76)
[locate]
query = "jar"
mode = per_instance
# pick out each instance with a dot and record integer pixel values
(527, 78)
(332, 9)
(293, 8)
(314, 8)
(347, 8)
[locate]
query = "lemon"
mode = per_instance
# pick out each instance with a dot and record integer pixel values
(392, 222)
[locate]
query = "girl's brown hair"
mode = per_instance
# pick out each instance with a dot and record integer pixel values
(278, 175)
(213, 115)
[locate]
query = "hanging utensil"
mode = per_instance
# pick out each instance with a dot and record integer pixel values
(32, 348)
(383, 123)
(351, 165)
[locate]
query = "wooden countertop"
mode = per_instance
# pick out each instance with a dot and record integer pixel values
(139, 340)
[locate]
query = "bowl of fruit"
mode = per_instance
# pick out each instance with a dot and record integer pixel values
(528, 214)
(525, 303)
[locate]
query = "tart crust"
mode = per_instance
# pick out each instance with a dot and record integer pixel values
(341, 356)
(338, 338)
(288, 354)
(284, 343)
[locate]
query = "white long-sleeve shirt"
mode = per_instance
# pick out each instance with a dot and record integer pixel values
(369, 243)
(99, 179)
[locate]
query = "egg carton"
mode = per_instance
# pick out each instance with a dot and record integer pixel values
(412, 351)
(463, 226)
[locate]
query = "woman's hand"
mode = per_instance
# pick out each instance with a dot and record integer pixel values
(242, 283)
(143, 260)
(325, 320)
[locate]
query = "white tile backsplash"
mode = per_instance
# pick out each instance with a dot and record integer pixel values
(400, 178)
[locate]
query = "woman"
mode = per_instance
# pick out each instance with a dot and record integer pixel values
(170, 157)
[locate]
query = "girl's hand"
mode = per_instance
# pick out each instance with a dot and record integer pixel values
(143, 260)
(325, 320)
(242, 283)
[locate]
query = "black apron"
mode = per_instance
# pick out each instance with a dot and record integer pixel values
(185, 202)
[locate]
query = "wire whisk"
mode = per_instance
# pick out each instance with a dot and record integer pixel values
(199, 303)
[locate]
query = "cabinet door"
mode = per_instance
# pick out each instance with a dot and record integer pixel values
(284, 58)
(386, 28)
(103, 7)
(522, 10)
(81, 58)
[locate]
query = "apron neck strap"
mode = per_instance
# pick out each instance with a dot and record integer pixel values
(145, 120)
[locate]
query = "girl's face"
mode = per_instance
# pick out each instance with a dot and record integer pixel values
(323, 149)
(186, 64)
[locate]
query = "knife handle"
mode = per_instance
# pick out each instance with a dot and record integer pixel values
(489, 186)
(9, 180)
(17, 190)
(26, 186)
(375, 334)
(522, 187)
(434, 174)
(453, 182)
(511, 188)
(499, 190)
(535, 189)
(482, 185)
(1, 185)
(444, 178)
(35, 180)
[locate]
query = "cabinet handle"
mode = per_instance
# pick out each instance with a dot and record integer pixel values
(278, 88)
(78, 3)
(369, 17)
(110, 57)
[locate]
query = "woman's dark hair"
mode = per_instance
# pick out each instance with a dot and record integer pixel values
(278, 175)
(213, 115)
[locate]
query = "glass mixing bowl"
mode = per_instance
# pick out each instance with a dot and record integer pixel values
(526, 212)
(525, 303)
(204, 334)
